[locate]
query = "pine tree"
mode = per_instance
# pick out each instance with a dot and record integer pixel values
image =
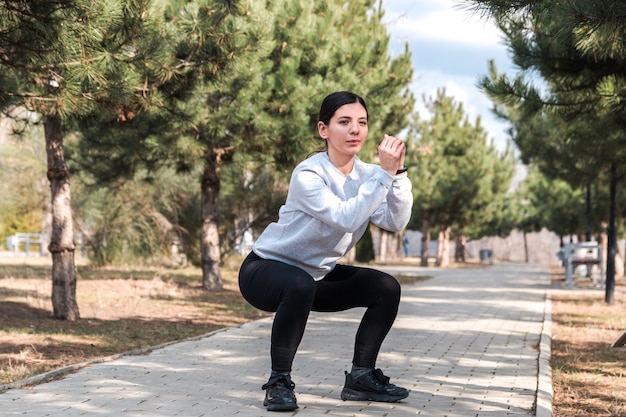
(324, 47)
(460, 178)
(63, 59)
(573, 122)
(250, 91)
(559, 208)
(201, 90)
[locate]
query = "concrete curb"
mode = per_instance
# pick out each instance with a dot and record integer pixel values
(544, 380)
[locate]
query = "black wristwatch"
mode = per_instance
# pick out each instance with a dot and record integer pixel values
(402, 170)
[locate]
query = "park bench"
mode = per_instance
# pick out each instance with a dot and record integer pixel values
(587, 254)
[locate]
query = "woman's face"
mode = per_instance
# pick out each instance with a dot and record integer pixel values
(347, 130)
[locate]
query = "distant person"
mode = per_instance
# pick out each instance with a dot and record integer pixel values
(405, 245)
(292, 270)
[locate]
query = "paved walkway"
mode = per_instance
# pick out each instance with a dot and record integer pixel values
(466, 342)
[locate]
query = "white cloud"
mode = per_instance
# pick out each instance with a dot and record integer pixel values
(444, 22)
(455, 90)
(450, 47)
(464, 91)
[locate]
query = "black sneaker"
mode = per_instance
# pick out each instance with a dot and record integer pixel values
(279, 395)
(373, 386)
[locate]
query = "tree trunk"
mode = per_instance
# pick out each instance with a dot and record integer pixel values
(425, 241)
(440, 250)
(443, 246)
(525, 235)
(209, 235)
(46, 223)
(395, 246)
(588, 213)
(609, 295)
(459, 249)
(62, 238)
(392, 243)
(383, 245)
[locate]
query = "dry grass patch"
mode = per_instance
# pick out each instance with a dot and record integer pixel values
(589, 377)
(121, 310)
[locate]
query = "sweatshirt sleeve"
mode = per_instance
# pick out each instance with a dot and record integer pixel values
(311, 193)
(394, 212)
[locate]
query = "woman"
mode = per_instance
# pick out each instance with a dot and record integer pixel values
(292, 270)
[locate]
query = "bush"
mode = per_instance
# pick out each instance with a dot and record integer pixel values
(365, 248)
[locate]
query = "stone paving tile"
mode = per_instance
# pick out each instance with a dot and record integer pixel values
(465, 343)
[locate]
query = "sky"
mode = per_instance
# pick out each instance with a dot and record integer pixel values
(450, 47)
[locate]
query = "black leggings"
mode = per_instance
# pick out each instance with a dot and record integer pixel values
(292, 293)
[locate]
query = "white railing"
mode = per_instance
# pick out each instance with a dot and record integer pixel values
(27, 239)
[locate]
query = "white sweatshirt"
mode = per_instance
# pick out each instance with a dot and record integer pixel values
(326, 213)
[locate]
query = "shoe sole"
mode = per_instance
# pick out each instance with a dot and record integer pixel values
(280, 407)
(352, 395)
